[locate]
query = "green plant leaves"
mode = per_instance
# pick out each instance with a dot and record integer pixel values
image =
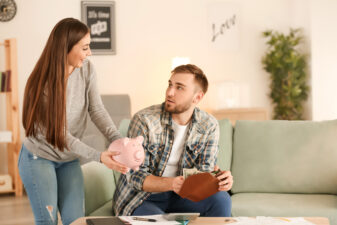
(287, 68)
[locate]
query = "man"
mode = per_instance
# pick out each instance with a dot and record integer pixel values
(177, 135)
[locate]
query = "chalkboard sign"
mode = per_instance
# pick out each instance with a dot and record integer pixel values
(100, 18)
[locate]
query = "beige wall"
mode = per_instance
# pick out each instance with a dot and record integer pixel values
(151, 32)
(324, 59)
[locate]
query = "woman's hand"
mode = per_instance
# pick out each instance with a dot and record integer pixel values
(225, 179)
(108, 161)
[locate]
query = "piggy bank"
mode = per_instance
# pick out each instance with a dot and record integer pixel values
(131, 151)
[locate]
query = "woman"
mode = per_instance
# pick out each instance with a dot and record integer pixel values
(60, 93)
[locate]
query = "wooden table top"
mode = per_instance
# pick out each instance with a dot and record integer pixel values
(219, 220)
(228, 220)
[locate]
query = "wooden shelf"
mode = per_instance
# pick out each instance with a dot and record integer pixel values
(12, 116)
(234, 114)
(7, 192)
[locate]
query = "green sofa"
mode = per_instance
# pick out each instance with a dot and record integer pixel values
(280, 168)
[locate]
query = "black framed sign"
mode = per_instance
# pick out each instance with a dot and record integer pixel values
(100, 18)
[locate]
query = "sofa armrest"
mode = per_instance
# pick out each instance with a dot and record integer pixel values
(225, 144)
(99, 185)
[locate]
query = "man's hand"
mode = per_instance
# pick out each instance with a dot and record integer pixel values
(225, 179)
(177, 183)
(108, 161)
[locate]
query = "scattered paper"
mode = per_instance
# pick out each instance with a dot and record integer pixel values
(160, 220)
(262, 220)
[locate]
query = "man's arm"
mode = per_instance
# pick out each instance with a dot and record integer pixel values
(143, 180)
(207, 158)
(161, 184)
(206, 161)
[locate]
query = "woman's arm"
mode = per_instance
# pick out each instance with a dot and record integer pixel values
(79, 148)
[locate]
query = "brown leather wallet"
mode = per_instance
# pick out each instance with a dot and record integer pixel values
(199, 186)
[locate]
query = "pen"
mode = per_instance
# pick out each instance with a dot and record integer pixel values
(144, 219)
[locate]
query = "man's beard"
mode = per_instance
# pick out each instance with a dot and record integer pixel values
(178, 108)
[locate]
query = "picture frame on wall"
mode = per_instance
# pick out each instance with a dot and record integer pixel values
(99, 16)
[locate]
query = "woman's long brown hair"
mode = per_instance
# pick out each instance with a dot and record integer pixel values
(44, 104)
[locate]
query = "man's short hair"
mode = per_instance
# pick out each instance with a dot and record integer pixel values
(199, 75)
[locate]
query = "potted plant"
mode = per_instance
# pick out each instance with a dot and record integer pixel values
(287, 68)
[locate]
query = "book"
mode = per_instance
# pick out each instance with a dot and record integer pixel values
(3, 81)
(8, 81)
(0, 81)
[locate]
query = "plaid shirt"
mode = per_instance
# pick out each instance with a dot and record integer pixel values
(155, 125)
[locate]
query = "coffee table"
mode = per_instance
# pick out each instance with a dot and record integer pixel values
(218, 220)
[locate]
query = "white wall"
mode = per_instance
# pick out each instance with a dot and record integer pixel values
(151, 32)
(324, 59)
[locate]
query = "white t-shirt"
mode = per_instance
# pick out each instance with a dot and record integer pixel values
(180, 132)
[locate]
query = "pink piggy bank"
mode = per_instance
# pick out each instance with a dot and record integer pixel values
(131, 151)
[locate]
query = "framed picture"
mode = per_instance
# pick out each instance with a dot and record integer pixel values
(224, 26)
(100, 18)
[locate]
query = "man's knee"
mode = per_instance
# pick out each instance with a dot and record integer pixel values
(220, 205)
(147, 208)
(222, 198)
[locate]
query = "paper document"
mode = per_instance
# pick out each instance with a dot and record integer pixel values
(160, 220)
(5, 136)
(262, 220)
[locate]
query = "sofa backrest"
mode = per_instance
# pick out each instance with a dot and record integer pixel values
(118, 107)
(285, 157)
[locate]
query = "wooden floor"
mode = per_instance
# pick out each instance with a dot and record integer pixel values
(16, 210)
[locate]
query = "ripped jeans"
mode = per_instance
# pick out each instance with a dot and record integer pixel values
(52, 186)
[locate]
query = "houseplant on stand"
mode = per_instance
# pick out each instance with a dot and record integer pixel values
(286, 65)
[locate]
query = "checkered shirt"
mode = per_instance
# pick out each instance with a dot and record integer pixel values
(155, 125)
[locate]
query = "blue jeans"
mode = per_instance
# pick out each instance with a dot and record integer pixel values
(52, 187)
(217, 205)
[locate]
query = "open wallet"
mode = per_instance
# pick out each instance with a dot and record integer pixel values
(199, 186)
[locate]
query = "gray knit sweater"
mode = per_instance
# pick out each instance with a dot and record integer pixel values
(83, 100)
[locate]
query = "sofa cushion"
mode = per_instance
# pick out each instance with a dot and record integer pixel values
(225, 144)
(285, 157)
(105, 210)
(285, 205)
(99, 186)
